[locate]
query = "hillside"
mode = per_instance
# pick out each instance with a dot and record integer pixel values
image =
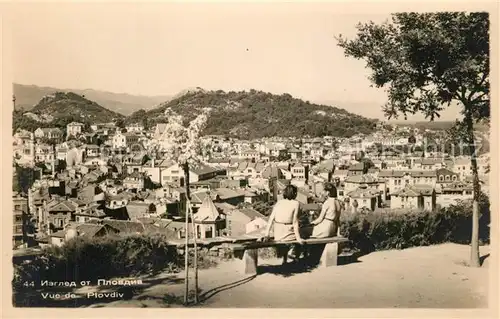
(27, 96)
(61, 108)
(254, 114)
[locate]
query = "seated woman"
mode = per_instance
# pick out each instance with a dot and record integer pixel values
(284, 218)
(328, 222)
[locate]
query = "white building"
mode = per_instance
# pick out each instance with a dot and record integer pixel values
(134, 128)
(74, 128)
(119, 140)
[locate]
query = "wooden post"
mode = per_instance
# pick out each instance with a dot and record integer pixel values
(186, 249)
(189, 214)
(195, 235)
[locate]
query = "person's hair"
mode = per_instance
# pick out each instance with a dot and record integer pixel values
(290, 192)
(331, 189)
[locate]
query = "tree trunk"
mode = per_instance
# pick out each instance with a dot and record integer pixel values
(186, 248)
(474, 256)
(195, 235)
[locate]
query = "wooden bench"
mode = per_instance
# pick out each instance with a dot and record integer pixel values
(248, 252)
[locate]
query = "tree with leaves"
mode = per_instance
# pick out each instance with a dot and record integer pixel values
(182, 144)
(426, 62)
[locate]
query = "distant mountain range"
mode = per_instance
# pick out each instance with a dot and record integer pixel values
(27, 96)
(243, 114)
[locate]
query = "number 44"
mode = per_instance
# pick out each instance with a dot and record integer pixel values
(29, 284)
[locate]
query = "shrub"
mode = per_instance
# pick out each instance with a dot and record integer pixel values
(100, 258)
(372, 231)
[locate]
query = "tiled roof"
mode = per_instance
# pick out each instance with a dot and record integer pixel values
(361, 192)
(199, 196)
(123, 226)
(64, 206)
(271, 170)
(414, 173)
(136, 209)
(225, 207)
(340, 172)
(207, 211)
(88, 230)
(204, 169)
(361, 179)
(250, 213)
(414, 191)
(225, 193)
(356, 167)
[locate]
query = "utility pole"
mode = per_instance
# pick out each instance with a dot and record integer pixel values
(14, 101)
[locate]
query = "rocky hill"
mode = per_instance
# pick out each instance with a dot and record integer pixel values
(27, 96)
(61, 108)
(254, 114)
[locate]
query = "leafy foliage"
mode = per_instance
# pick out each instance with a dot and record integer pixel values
(255, 114)
(369, 231)
(24, 178)
(64, 108)
(427, 61)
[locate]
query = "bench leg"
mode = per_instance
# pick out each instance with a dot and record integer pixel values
(250, 261)
(330, 255)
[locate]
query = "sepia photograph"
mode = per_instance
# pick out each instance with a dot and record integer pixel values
(252, 155)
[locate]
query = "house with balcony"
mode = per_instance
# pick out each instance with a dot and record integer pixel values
(44, 153)
(452, 193)
(250, 154)
(60, 213)
(396, 180)
(50, 133)
(364, 197)
(21, 223)
(414, 197)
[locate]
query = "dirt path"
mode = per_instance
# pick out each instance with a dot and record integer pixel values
(427, 277)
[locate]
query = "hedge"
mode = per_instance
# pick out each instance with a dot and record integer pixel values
(373, 231)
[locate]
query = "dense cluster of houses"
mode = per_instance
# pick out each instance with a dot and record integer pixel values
(109, 180)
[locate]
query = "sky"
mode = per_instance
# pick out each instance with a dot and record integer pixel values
(161, 49)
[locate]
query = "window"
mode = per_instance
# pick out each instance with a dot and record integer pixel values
(447, 177)
(17, 207)
(19, 218)
(441, 178)
(454, 177)
(174, 172)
